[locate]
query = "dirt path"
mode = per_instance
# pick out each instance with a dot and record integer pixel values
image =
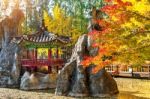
(6, 93)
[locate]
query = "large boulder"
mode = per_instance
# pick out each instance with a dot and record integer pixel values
(30, 81)
(102, 84)
(75, 80)
(9, 65)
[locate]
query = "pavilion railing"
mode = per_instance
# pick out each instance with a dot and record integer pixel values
(41, 62)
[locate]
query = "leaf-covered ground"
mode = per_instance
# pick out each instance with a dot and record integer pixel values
(6, 93)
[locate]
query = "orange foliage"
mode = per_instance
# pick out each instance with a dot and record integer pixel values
(100, 66)
(105, 49)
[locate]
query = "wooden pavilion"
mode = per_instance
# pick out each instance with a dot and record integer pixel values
(52, 48)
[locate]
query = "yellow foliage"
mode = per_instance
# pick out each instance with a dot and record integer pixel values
(58, 13)
(140, 6)
(42, 53)
(132, 23)
(61, 24)
(53, 51)
(114, 18)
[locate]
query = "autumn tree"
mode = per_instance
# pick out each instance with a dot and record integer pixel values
(79, 10)
(124, 38)
(12, 23)
(60, 24)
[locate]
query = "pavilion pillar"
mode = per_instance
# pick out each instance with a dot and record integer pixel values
(49, 54)
(57, 53)
(32, 54)
(27, 54)
(49, 59)
(35, 58)
(57, 56)
(35, 53)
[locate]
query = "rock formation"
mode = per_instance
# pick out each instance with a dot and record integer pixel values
(74, 80)
(9, 66)
(37, 80)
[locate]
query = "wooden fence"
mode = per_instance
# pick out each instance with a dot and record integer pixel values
(128, 71)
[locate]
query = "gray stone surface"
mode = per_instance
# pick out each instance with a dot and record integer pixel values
(102, 84)
(9, 66)
(74, 80)
(71, 80)
(30, 81)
